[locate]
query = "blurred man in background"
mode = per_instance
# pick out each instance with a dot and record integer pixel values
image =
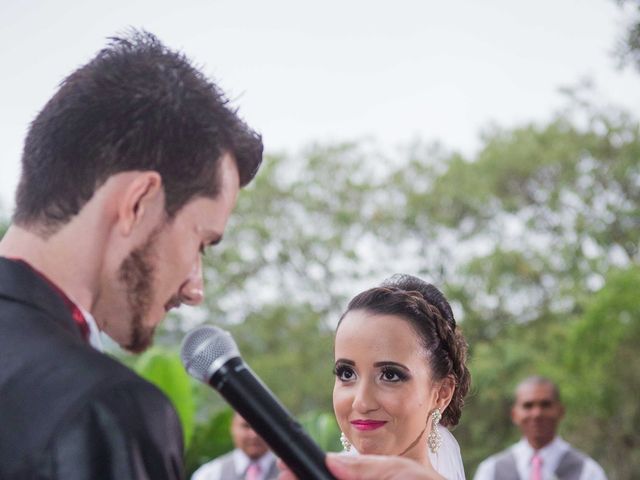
(250, 460)
(541, 454)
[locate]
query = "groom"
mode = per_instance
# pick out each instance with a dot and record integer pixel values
(129, 172)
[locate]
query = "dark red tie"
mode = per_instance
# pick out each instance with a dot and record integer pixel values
(78, 317)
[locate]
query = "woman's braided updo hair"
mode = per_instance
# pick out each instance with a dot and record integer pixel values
(430, 314)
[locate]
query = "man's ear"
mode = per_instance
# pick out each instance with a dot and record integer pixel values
(141, 197)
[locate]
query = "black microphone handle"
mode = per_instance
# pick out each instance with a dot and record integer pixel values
(252, 399)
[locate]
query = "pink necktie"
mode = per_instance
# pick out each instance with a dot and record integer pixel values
(253, 472)
(536, 467)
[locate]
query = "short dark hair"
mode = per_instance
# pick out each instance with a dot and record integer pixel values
(429, 313)
(136, 106)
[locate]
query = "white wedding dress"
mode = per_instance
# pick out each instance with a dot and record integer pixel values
(448, 460)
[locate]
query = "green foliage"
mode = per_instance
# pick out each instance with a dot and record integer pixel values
(534, 239)
(210, 439)
(291, 351)
(602, 362)
(628, 44)
(323, 428)
(165, 370)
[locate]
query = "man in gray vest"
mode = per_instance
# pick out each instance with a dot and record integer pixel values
(541, 454)
(250, 460)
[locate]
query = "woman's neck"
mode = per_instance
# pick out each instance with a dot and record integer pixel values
(417, 450)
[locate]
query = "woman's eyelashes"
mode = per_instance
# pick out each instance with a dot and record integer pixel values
(343, 372)
(393, 374)
(388, 374)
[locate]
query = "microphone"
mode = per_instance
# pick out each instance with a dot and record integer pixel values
(210, 355)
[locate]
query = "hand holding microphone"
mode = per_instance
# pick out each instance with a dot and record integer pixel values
(211, 355)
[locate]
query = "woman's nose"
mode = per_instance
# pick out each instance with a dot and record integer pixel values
(365, 398)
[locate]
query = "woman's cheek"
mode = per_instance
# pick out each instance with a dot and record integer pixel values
(341, 406)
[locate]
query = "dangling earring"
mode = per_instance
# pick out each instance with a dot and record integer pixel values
(435, 439)
(346, 444)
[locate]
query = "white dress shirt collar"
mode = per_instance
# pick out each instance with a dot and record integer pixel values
(551, 455)
(94, 332)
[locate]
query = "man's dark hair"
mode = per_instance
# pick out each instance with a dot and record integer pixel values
(136, 106)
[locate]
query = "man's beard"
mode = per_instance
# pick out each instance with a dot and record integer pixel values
(136, 274)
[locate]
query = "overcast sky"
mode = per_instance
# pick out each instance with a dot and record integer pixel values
(333, 69)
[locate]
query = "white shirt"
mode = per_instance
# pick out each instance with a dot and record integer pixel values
(551, 455)
(212, 470)
(95, 340)
(94, 332)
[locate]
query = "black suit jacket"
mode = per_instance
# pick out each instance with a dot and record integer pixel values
(68, 411)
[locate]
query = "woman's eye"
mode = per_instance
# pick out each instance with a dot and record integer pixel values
(344, 374)
(390, 376)
(393, 375)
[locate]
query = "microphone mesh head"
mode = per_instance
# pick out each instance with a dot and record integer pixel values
(202, 346)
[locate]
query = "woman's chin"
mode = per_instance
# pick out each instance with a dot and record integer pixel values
(371, 447)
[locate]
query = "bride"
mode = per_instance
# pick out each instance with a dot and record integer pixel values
(400, 383)
(400, 374)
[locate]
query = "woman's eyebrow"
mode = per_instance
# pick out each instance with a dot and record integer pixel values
(346, 361)
(387, 363)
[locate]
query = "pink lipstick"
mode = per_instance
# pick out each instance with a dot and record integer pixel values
(366, 425)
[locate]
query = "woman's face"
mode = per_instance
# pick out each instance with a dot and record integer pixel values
(383, 390)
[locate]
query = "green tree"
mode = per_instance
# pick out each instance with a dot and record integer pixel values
(521, 236)
(628, 44)
(539, 218)
(602, 367)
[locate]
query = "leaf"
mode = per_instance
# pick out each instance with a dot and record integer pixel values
(164, 369)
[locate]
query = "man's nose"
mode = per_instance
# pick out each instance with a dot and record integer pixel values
(192, 290)
(537, 410)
